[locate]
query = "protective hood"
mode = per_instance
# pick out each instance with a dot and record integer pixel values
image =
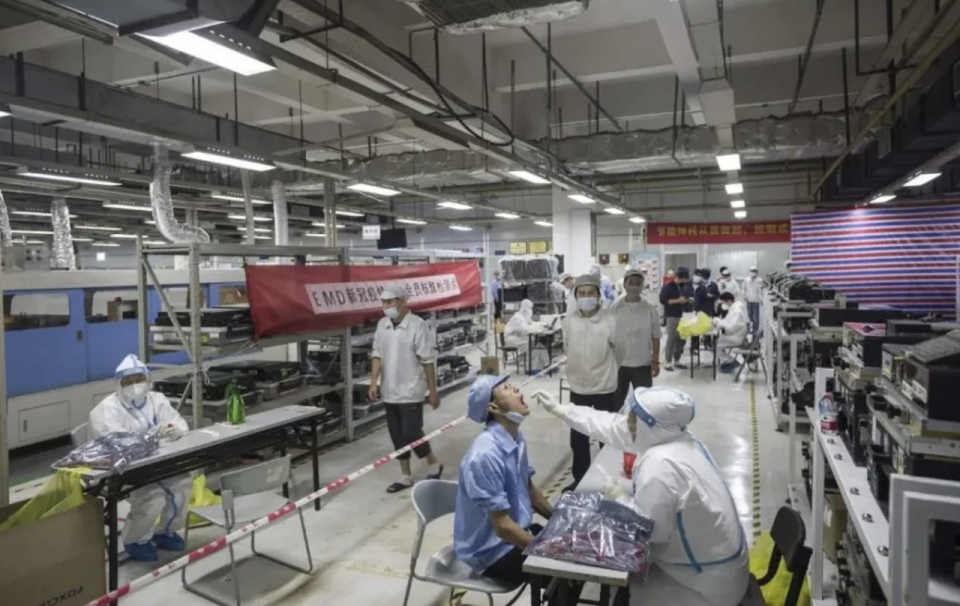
(663, 415)
(131, 365)
(595, 270)
(526, 308)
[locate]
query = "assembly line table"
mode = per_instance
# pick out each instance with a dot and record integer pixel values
(695, 352)
(199, 447)
(545, 338)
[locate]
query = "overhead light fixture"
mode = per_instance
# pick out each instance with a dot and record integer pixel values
(582, 199)
(226, 158)
(461, 227)
(315, 234)
(729, 162)
(370, 188)
(637, 220)
(734, 188)
(154, 242)
(529, 177)
(235, 198)
(453, 205)
(31, 232)
(411, 221)
(880, 199)
(740, 214)
(613, 210)
(34, 213)
(150, 222)
(543, 223)
(244, 218)
(738, 204)
(262, 230)
(506, 215)
(120, 206)
(263, 237)
(34, 242)
(4, 110)
(106, 244)
(321, 224)
(922, 178)
(97, 228)
(51, 175)
(221, 51)
(124, 236)
(82, 239)
(349, 213)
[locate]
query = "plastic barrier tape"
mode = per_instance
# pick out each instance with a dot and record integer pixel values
(215, 546)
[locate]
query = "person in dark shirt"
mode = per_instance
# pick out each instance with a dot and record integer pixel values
(676, 297)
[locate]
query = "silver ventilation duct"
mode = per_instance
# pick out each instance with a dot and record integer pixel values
(280, 222)
(160, 17)
(63, 257)
(6, 235)
(467, 17)
(162, 203)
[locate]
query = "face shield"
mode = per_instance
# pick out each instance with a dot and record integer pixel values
(662, 415)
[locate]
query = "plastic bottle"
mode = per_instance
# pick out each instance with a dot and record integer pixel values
(236, 415)
(828, 414)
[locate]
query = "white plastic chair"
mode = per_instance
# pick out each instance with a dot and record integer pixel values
(247, 495)
(433, 499)
(80, 434)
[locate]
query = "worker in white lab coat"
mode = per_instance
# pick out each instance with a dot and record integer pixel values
(726, 283)
(517, 334)
(157, 511)
(733, 327)
(698, 547)
(562, 290)
(608, 292)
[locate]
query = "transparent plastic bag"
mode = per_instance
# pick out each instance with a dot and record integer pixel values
(586, 528)
(113, 451)
(62, 492)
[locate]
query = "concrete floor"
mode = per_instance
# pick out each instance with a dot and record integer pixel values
(361, 540)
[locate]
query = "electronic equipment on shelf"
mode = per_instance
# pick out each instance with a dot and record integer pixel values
(930, 376)
(215, 385)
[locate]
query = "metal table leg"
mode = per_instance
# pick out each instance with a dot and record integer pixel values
(113, 536)
(604, 595)
(315, 449)
(714, 340)
(536, 589)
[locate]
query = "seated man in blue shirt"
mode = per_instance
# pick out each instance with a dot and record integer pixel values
(496, 499)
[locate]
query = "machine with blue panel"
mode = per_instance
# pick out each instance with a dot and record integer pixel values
(65, 333)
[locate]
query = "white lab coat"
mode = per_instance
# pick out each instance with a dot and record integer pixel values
(677, 484)
(517, 334)
(734, 326)
(166, 500)
(730, 286)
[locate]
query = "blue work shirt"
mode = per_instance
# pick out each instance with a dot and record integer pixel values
(495, 289)
(494, 476)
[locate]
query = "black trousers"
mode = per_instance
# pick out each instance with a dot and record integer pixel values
(497, 309)
(580, 443)
(509, 568)
(635, 376)
(405, 424)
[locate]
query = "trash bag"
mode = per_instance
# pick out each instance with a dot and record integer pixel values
(201, 496)
(774, 592)
(62, 492)
(112, 451)
(586, 528)
(694, 326)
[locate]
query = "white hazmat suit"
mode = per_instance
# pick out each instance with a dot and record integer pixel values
(608, 291)
(734, 326)
(699, 552)
(517, 334)
(160, 508)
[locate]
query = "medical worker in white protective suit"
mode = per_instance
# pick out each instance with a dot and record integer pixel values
(608, 291)
(159, 510)
(517, 334)
(698, 547)
(733, 327)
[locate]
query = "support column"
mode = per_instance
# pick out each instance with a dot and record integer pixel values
(330, 212)
(573, 233)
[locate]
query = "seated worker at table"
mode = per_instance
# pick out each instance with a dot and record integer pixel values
(159, 510)
(517, 334)
(733, 327)
(698, 547)
(496, 497)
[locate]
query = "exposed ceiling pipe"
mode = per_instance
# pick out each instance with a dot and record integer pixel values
(6, 236)
(162, 204)
(805, 59)
(280, 220)
(63, 257)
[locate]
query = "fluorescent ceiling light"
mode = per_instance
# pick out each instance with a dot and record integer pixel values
(61, 176)
(150, 222)
(106, 244)
(637, 220)
(411, 221)
(613, 210)
(453, 205)
(263, 237)
(4, 110)
(249, 162)
(882, 198)
(734, 188)
(737, 204)
(154, 241)
(223, 54)
(119, 206)
(321, 224)
(34, 241)
(34, 213)
(124, 236)
(921, 179)
(82, 239)
(244, 218)
(233, 198)
(543, 223)
(97, 228)
(582, 199)
(349, 213)
(729, 162)
(369, 188)
(505, 215)
(31, 232)
(461, 228)
(740, 214)
(529, 177)
(314, 234)
(262, 230)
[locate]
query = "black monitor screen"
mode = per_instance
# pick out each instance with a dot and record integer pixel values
(392, 238)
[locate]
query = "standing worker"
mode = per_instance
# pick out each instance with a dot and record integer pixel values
(496, 293)
(637, 337)
(727, 283)
(608, 292)
(753, 287)
(561, 293)
(157, 511)
(675, 297)
(589, 340)
(404, 349)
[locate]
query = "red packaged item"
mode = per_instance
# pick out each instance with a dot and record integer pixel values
(628, 460)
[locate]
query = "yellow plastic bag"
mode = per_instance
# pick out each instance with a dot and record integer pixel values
(201, 496)
(774, 592)
(62, 492)
(700, 324)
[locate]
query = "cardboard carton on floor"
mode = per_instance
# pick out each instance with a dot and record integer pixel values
(57, 560)
(834, 523)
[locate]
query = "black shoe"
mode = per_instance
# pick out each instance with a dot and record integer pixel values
(435, 476)
(397, 487)
(681, 366)
(668, 368)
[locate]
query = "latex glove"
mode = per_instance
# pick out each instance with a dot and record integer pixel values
(170, 432)
(611, 487)
(549, 403)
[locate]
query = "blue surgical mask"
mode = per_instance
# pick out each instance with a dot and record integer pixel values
(515, 417)
(391, 312)
(587, 303)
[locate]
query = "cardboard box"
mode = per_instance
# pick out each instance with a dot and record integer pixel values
(490, 365)
(58, 560)
(834, 523)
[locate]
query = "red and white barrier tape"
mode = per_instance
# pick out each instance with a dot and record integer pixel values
(246, 529)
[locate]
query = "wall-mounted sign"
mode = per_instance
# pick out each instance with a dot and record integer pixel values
(518, 248)
(371, 232)
(741, 232)
(538, 247)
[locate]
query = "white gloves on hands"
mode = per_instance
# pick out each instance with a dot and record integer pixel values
(170, 432)
(611, 487)
(549, 403)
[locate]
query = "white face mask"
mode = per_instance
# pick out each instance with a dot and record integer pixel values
(727, 306)
(391, 312)
(133, 393)
(633, 291)
(515, 417)
(697, 279)
(587, 303)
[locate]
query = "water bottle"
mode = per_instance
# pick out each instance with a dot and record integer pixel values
(828, 414)
(236, 414)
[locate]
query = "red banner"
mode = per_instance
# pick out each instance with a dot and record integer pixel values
(718, 233)
(290, 299)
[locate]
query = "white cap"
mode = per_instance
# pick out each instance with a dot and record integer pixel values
(131, 365)
(753, 268)
(389, 294)
(563, 277)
